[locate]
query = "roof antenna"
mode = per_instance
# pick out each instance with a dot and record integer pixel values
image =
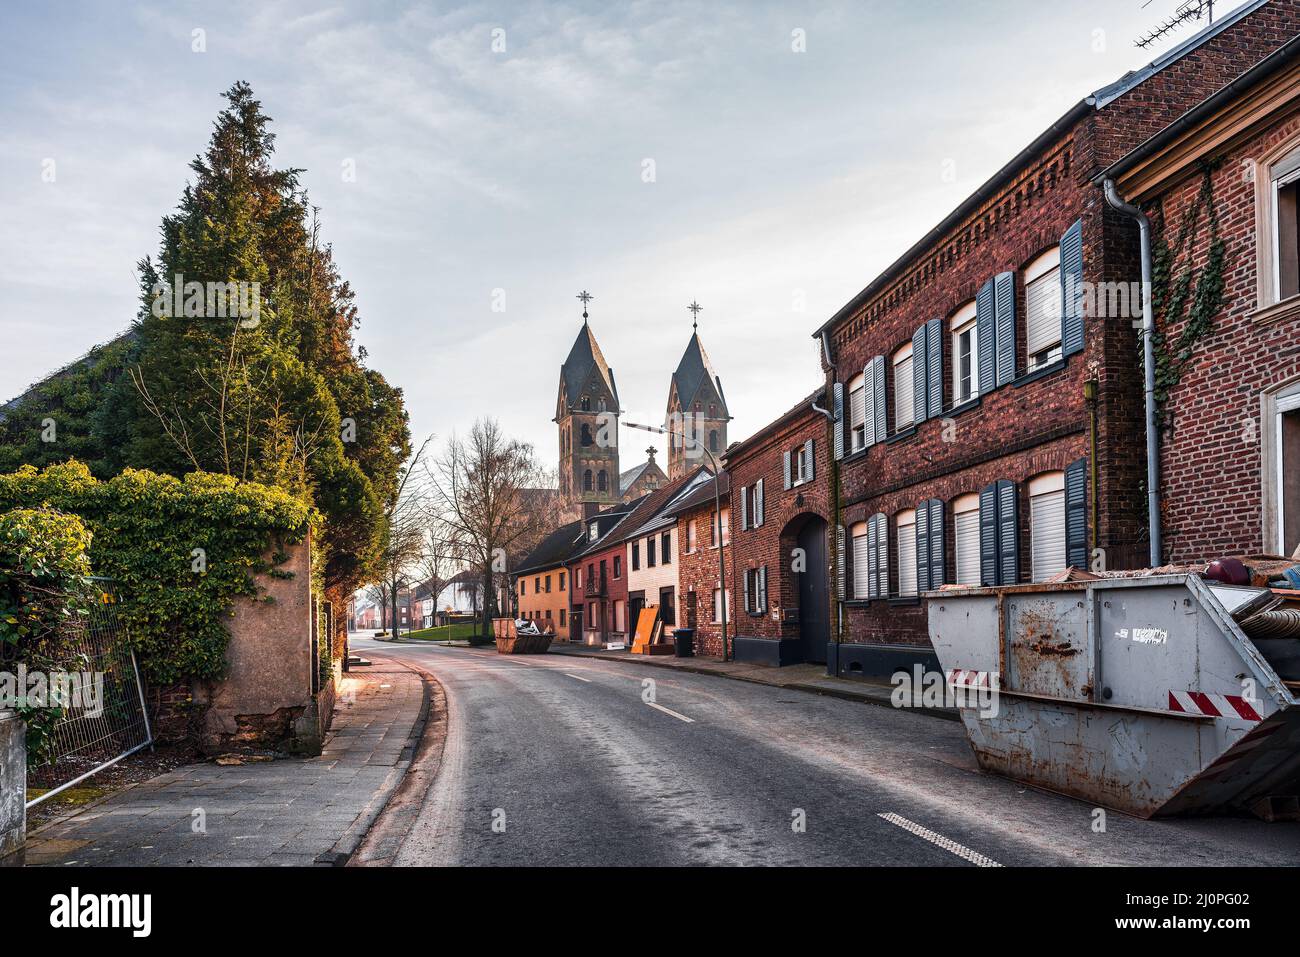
(1185, 11)
(586, 297)
(695, 309)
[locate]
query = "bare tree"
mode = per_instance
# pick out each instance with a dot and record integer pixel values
(405, 529)
(436, 564)
(491, 494)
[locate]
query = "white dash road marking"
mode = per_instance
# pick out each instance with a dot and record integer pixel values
(948, 844)
(679, 717)
(579, 677)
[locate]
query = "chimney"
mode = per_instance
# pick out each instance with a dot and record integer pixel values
(589, 510)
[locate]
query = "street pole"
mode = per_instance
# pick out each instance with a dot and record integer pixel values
(717, 511)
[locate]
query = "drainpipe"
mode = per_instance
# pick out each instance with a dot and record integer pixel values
(1148, 367)
(837, 605)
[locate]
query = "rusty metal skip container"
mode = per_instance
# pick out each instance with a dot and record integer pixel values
(1138, 694)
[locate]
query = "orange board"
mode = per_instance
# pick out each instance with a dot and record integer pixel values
(647, 629)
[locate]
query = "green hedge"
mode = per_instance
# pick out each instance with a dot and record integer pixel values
(181, 551)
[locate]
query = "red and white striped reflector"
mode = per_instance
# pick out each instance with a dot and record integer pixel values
(1214, 705)
(970, 679)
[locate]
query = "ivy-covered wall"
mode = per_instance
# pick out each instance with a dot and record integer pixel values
(182, 551)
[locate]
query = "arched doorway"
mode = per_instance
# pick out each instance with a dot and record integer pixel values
(814, 597)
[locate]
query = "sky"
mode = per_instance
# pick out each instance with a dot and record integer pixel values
(478, 165)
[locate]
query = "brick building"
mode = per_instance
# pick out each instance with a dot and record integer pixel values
(542, 583)
(699, 582)
(652, 548)
(988, 393)
(598, 593)
(1224, 181)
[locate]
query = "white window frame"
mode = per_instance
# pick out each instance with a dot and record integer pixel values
(858, 413)
(1049, 484)
(691, 539)
(905, 534)
(1282, 404)
(1290, 164)
(1046, 267)
(903, 394)
(964, 505)
(962, 322)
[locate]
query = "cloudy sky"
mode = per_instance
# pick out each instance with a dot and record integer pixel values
(517, 153)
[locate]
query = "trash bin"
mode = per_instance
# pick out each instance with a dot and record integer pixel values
(685, 638)
(1143, 694)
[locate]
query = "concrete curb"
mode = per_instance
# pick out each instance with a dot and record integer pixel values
(880, 698)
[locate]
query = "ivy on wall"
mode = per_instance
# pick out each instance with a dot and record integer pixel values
(1184, 297)
(181, 551)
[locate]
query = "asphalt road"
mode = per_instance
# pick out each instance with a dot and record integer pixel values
(556, 760)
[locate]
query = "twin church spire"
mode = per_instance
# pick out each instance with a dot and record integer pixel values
(587, 417)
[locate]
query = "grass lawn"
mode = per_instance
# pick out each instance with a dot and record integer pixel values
(458, 632)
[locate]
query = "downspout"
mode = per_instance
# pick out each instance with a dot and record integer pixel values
(1148, 367)
(837, 604)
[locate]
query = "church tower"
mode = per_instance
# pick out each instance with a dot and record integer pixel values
(696, 407)
(586, 413)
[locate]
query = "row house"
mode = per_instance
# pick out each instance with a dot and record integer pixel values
(653, 551)
(703, 519)
(598, 598)
(983, 419)
(1221, 188)
(542, 582)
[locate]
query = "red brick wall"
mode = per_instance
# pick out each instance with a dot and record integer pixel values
(697, 572)
(770, 544)
(616, 588)
(1212, 444)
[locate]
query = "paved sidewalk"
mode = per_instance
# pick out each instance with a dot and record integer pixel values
(292, 811)
(797, 677)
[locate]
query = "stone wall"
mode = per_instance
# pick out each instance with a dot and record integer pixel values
(13, 783)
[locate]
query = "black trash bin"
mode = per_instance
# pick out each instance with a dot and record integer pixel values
(685, 638)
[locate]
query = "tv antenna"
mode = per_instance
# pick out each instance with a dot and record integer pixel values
(1185, 12)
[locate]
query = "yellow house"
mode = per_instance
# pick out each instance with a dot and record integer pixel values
(542, 585)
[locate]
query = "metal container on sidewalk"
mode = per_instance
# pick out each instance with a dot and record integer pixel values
(685, 639)
(1140, 694)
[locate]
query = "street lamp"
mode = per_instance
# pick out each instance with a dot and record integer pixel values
(717, 509)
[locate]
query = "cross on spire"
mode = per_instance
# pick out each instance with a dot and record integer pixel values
(695, 309)
(586, 297)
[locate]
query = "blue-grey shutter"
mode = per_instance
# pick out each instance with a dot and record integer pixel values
(868, 405)
(882, 546)
(989, 534)
(872, 559)
(919, 389)
(839, 561)
(922, 546)
(986, 338)
(1008, 533)
(758, 503)
(878, 387)
(1076, 514)
(788, 481)
(810, 465)
(748, 573)
(1071, 273)
(839, 424)
(1004, 292)
(744, 507)
(937, 576)
(934, 368)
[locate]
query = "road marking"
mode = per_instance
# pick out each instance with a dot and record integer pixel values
(679, 717)
(948, 844)
(579, 677)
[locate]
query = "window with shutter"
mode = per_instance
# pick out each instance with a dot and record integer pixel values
(986, 337)
(934, 369)
(923, 546)
(920, 391)
(906, 537)
(840, 570)
(966, 535)
(873, 559)
(1071, 273)
(903, 386)
(810, 462)
(938, 572)
(989, 534)
(788, 467)
(749, 572)
(861, 561)
(1043, 309)
(1047, 525)
(878, 394)
(1076, 513)
(762, 589)
(1004, 296)
(744, 507)
(880, 559)
(858, 426)
(758, 503)
(839, 425)
(1008, 533)
(965, 354)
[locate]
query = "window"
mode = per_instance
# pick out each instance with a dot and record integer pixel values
(593, 530)
(577, 577)
(906, 536)
(756, 590)
(561, 581)
(1047, 525)
(858, 413)
(586, 404)
(966, 532)
(586, 434)
(726, 528)
(537, 585)
(965, 355)
(548, 584)
(903, 388)
(713, 441)
(636, 556)
(668, 606)
(717, 606)
(1284, 186)
(650, 552)
(523, 586)
(861, 562)
(586, 483)
(691, 540)
(800, 465)
(666, 548)
(602, 481)
(618, 566)
(1043, 309)
(751, 502)
(563, 624)
(620, 615)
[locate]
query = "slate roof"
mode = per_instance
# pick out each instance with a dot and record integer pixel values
(555, 549)
(693, 371)
(704, 494)
(583, 357)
